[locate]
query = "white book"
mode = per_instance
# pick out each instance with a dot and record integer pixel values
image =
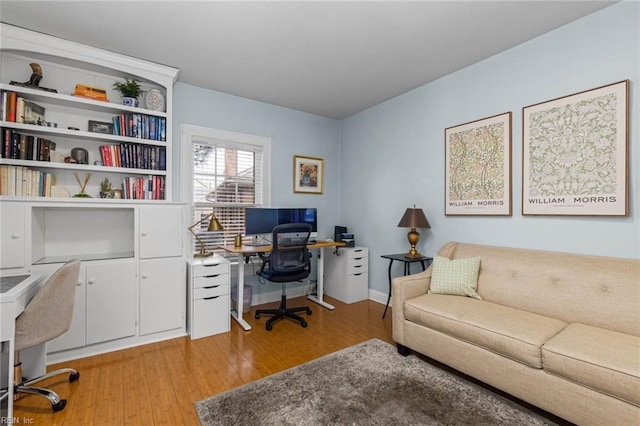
(11, 181)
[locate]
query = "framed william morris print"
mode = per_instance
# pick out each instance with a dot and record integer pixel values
(478, 167)
(575, 154)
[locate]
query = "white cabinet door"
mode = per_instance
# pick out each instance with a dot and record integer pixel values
(161, 231)
(75, 337)
(12, 239)
(111, 301)
(162, 295)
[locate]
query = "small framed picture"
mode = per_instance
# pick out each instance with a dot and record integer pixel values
(308, 175)
(100, 127)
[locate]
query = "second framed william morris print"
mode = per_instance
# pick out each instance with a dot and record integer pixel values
(478, 167)
(575, 154)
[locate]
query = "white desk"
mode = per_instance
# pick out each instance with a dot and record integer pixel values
(12, 303)
(248, 250)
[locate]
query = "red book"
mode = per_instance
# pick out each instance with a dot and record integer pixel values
(11, 104)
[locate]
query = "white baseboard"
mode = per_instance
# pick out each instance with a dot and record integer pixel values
(378, 296)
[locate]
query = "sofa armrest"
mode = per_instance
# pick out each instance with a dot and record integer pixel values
(404, 288)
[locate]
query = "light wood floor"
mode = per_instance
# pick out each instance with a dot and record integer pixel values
(157, 384)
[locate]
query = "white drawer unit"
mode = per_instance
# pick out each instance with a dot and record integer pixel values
(208, 297)
(347, 274)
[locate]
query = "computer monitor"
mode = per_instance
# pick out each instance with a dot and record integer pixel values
(305, 215)
(260, 221)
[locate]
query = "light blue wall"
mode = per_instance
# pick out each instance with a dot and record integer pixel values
(393, 153)
(291, 132)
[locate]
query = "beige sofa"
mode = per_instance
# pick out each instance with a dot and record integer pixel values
(559, 331)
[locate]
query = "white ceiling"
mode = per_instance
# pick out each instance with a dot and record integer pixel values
(327, 58)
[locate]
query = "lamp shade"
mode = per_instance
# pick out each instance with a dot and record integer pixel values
(214, 224)
(414, 218)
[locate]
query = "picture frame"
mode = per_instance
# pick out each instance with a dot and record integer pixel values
(308, 175)
(101, 127)
(575, 154)
(478, 167)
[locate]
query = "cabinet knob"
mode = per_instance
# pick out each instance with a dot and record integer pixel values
(145, 276)
(144, 234)
(79, 284)
(91, 281)
(15, 236)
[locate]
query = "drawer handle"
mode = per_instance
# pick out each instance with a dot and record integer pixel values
(213, 286)
(211, 276)
(358, 274)
(358, 266)
(357, 251)
(213, 264)
(212, 297)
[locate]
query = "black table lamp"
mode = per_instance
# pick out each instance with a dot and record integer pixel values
(214, 225)
(413, 218)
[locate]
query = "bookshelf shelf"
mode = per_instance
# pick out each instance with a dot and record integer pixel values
(80, 167)
(76, 101)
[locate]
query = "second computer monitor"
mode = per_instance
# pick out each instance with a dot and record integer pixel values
(260, 220)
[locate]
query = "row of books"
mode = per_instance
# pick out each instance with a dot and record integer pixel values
(140, 126)
(22, 181)
(19, 110)
(135, 156)
(143, 188)
(25, 182)
(18, 146)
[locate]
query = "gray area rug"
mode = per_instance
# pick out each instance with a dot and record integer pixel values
(366, 384)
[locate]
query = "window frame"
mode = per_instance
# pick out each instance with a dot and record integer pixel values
(193, 134)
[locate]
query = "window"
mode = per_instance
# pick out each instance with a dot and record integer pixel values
(228, 173)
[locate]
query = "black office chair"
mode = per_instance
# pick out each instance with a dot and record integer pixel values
(289, 261)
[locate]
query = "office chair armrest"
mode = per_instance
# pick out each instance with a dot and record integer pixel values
(264, 258)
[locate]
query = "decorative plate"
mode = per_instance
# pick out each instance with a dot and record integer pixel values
(154, 100)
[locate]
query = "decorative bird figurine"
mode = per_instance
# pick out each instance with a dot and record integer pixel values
(34, 80)
(36, 76)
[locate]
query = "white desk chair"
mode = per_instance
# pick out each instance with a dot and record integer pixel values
(47, 316)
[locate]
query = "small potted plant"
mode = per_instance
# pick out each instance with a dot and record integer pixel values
(130, 91)
(105, 189)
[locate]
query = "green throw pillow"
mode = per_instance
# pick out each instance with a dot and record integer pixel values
(458, 277)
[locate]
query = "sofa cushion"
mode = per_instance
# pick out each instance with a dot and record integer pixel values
(509, 332)
(604, 360)
(456, 277)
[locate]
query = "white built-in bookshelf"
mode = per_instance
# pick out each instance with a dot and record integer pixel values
(131, 288)
(140, 159)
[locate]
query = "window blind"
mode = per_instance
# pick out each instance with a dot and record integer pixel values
(227, 178)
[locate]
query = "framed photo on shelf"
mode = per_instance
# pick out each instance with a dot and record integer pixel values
(308, 174)
(100, 127)
(478, 167)
(575, 154)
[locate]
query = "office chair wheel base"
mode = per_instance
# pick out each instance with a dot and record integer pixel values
(74, 377)
(257, 316)
(303, 324)
(269, 327)
(308, 311)
(59, 405)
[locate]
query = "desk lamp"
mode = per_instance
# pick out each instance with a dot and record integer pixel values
(214, 225)
(413, 218)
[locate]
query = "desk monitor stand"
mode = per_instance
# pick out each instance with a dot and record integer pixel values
(258, 241)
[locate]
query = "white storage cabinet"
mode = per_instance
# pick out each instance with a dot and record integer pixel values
(347, 274)
(208, 296)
